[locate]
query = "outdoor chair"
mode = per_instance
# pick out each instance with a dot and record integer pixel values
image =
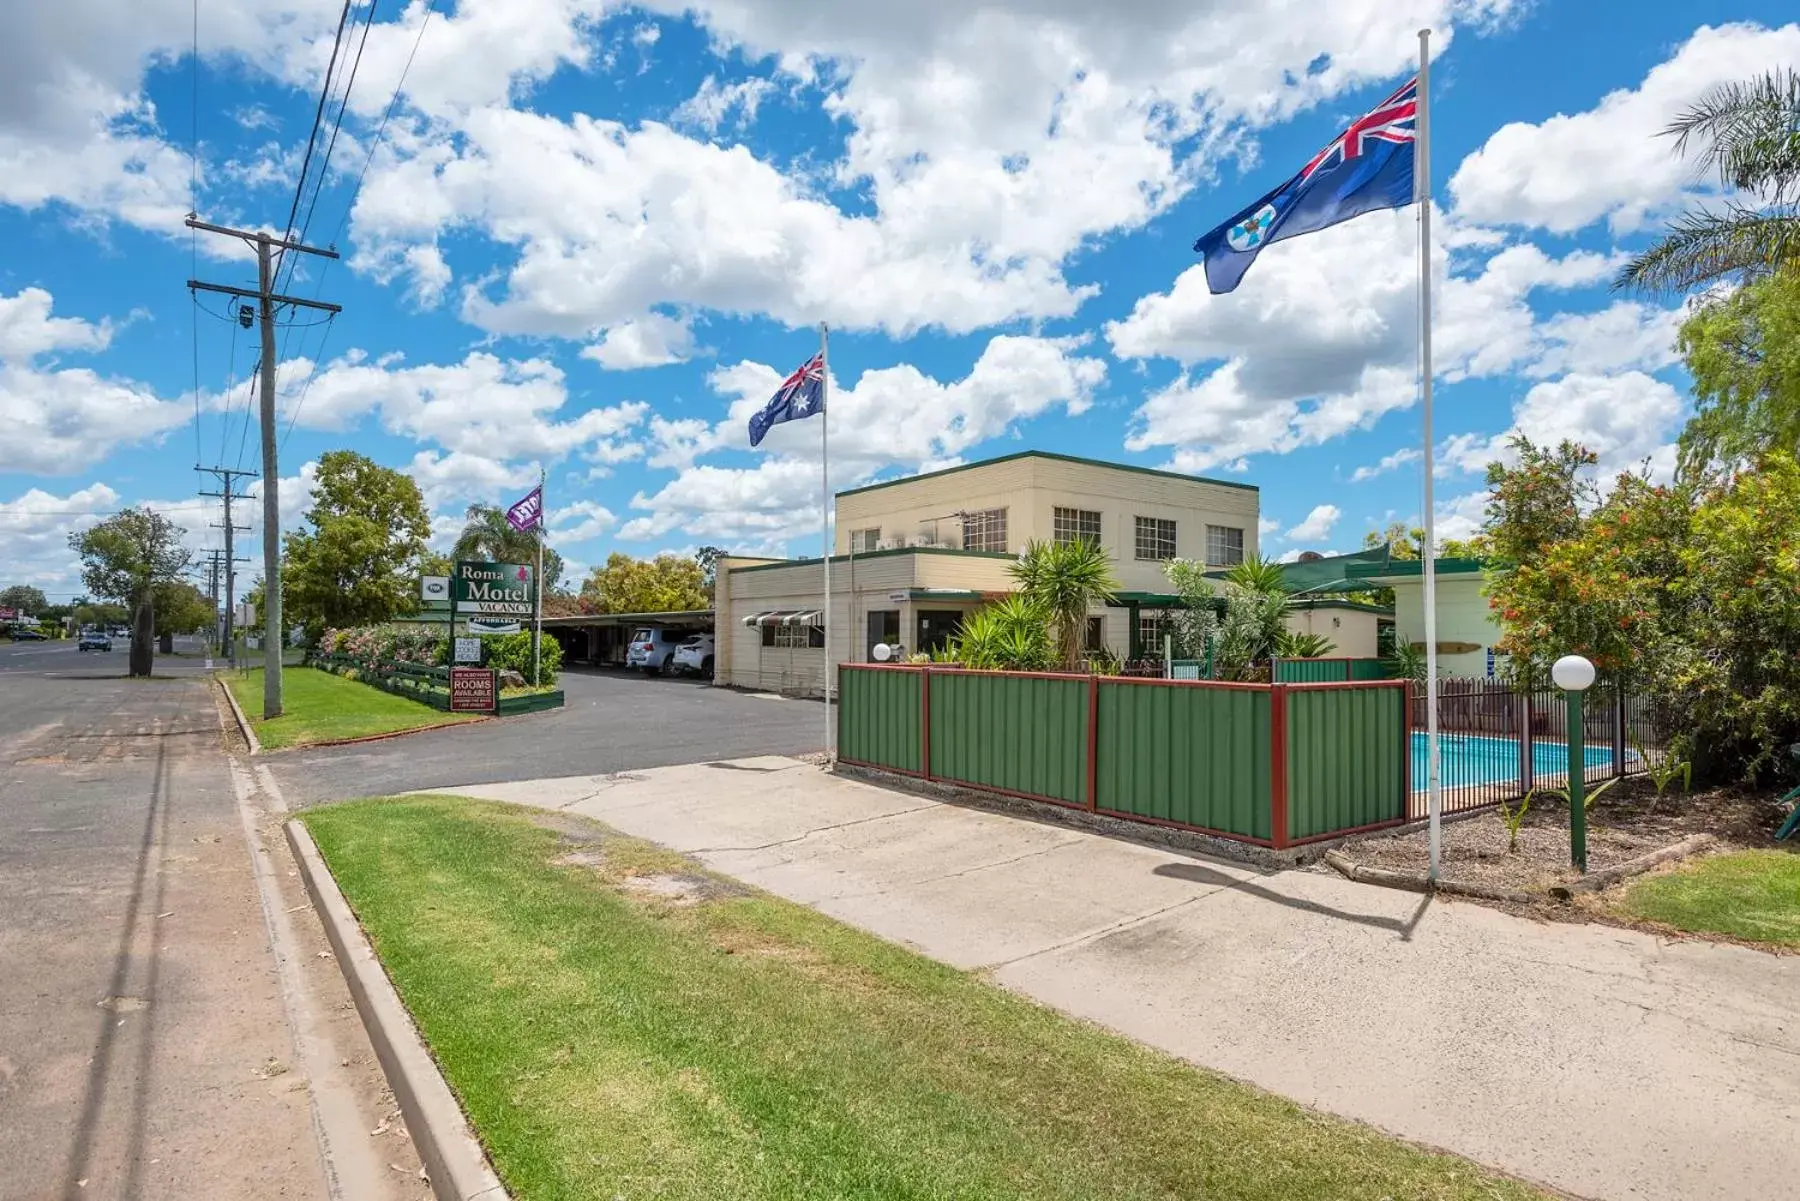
(1792, 800)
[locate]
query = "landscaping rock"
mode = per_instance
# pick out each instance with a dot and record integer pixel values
(511, 679)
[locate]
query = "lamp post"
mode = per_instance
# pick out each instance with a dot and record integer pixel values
(1574, 675)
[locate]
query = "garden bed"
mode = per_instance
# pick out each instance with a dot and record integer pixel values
(1628, 822)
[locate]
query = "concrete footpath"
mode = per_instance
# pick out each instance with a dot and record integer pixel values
(1600, 1061)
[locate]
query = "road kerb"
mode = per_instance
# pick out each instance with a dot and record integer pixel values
(458, 1169)
(242, 721)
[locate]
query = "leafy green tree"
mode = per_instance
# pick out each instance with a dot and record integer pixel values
(486, 534)
(357, 564)
(1403, 542)
(708, 557)
(665, 584)
(25, 598)
(1749, 134)
(1538, 502)
(1729, 677)
(126, 558)
(1065, 580)
(1243, 619)
(1743, 351)
(182, 608)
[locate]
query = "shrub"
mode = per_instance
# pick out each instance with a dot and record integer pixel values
(512, 652)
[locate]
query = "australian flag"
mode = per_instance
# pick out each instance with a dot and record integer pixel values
(801, 395)
(1367, 167)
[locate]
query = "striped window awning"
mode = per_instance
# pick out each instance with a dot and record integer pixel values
(786, 617)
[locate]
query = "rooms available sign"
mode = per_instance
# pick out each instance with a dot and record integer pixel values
(491, 589)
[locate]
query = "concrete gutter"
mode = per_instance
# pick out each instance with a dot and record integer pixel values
(242, 721)
(453, 1159)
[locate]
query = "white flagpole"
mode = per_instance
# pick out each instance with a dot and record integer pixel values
(537, 620)
(825, 512)
(1428, 550)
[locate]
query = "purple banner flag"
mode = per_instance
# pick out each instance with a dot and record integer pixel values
(528, 514)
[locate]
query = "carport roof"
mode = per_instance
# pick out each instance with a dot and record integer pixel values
(675, 618)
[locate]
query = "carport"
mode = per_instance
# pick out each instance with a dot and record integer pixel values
(599, 639)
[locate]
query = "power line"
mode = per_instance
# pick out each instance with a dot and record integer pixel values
(381, 130)
(306, 387)
(318, 119)
(343, 107)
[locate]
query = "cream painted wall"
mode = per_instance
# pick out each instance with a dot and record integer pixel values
(1354, 631)
(1032, 487)
(1462, 616)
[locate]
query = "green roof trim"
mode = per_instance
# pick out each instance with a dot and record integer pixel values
(1412, 567)
(1053, 457)
(1338, 602)
(881, 554)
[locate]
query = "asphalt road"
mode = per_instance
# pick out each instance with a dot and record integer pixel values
(139, 1010)
(612, 721)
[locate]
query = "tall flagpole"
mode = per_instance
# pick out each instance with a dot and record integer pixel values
(825, 511)
(1428, 550)
(537, 620)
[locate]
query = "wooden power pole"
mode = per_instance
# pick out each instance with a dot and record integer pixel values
(268, 301)
(227, 474)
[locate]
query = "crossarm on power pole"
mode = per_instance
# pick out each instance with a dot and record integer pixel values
(275, 298)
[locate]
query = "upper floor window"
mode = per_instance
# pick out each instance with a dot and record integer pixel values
(1224, 546)
(985, 530)
(864, 541)
(1155, 538)
(1076, 525)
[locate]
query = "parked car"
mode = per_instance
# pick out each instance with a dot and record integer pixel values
(652, 648)
(695, 655)
(95, 640)
(27, 634)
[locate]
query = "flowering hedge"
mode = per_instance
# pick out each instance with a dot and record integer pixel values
(372, 646)
(379, 648)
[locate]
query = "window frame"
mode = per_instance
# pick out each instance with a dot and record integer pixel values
(985, 523)
(1224, 531)
(1070, 524)
(866, 540)
(1154, 539)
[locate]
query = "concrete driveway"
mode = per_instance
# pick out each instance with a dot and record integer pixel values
(611, 721)
(1599, 1061)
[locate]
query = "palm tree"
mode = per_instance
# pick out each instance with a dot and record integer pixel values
(486, 534)
(1749, 133)
(1066, 579)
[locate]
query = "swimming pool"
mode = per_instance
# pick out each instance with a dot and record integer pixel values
(1476, 759)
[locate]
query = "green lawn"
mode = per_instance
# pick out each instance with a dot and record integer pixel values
(1753, 895)
(608, 1041)
(318, 707)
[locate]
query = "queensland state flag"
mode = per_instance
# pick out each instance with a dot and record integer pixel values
(1367, 167)
(802, 394)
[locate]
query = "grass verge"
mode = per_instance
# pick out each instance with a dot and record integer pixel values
(320, 707)
(619, 1023)
(1750, 895)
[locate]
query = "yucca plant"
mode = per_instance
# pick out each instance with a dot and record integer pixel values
(1303, 646)
(1065, 580)
(1012, 634)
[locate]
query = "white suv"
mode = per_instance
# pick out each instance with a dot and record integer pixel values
(695, 655)
(652, 648)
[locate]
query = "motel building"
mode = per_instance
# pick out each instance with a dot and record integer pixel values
(912, 557)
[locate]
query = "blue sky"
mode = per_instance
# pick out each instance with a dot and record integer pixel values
(593, 238)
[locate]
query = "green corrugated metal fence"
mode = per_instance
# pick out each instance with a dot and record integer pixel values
(1348, 750)
(879, 717)
(1328, 671)
(1195, 755)
(1011, 731)
(1274, 764)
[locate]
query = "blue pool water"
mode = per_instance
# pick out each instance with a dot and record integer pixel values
(1475, 759)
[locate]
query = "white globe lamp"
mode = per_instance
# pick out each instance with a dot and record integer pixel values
(1572, 673)
(882, 652)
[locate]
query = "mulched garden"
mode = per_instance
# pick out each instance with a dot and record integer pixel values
(1629, 820)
